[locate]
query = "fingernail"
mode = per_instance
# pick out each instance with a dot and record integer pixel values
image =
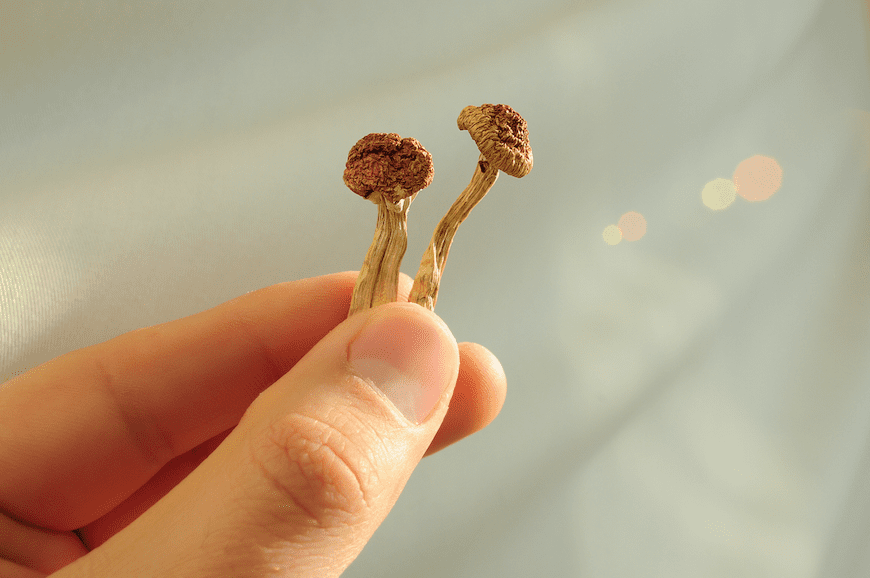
(408, 358)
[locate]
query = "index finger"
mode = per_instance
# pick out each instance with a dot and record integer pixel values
(85, 430)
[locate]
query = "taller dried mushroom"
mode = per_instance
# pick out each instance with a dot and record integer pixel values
(389, 171)
(502, 137)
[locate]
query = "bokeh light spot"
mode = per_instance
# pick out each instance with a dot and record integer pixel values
(719, 193)
(632, 225)
(612, 235)
(757, 178)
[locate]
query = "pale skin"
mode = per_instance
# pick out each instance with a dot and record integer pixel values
(234, 441)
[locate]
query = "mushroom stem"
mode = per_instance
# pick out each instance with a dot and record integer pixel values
(387, 288)
(378, 279)
(369, 272)
(425, 289)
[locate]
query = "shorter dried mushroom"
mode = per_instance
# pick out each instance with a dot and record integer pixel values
(502, 137)
(389, 171)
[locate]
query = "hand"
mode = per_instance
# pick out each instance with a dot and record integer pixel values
(257, 438)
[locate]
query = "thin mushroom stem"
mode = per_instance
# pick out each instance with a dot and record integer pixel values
(369, 273)
(387, 288)
(378, 280)
(425, 289)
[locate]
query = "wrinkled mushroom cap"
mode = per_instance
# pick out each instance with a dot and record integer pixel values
(501, 135)
(395, 167)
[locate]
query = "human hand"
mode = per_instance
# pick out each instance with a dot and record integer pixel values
(246, 439)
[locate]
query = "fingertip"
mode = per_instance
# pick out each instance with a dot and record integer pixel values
(486, 380)
(480, 392)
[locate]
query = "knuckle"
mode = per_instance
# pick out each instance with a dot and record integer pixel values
(323, 472)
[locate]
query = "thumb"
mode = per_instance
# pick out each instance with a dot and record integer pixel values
(315, 464)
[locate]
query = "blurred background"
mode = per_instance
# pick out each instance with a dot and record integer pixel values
(679, 291)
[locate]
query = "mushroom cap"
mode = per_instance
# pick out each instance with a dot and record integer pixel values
(502, 136)
(393, 166)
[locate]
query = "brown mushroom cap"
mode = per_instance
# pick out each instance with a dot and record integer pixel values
(502, 136)
(395, 167)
